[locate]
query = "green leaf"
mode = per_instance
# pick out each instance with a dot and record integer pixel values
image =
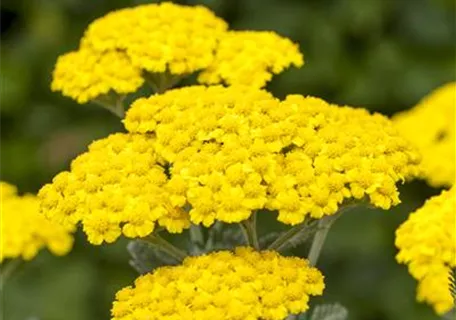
(329, 312)
(451, 315)
(145, 257)
(294, 236)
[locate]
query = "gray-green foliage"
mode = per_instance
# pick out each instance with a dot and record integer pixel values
(329, 312)
(334, 311)
(145, 257)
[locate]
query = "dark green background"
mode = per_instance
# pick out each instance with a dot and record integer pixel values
(380, 54)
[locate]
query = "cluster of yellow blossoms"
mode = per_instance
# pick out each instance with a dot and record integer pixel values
(250, 58)
(238, 150)
(159, 37)
(84, 75)
(168, 39)
(244, 285)
(24, 231)
(222, 153)
(118, 187)
(204, 154)
(430, 126)
(427, 244)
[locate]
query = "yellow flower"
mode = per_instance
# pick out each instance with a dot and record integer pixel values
(430, 126)
(24, 231)
(86, 74)
(245, 284)
(118, 48)
(162, 42)
(159, 37)
(118, 187)
(240, 149)
(426, 243)
(251, 58)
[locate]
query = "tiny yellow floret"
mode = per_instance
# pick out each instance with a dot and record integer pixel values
(24, 231)
(427, 244)
(222, 285)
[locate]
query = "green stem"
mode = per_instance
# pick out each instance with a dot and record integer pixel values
(112, 104)
(167, 247)
(160, 82)
(196, 234)
(8, 269)
(249, 228)
(283, 240)
(324, 224)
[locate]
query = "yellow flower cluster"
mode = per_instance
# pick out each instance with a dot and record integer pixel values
(167, 39)
(118, 47)
(118, 187)
(250, 58)
(237, 150)
(24, 231)
(427, 244)
(159, 37)
(245, 285)
(431, 127)
(84, 75)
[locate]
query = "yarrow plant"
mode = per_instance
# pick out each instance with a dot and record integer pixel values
(218, 157)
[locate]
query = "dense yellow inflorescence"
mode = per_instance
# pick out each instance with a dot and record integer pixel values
(85, 74)
(24, 231)
(118, 48)
(251, 58)
(119, 186)
(427, 244)
(159, 37)
(163, 42)
(237, 150)
(431, 127)
(244, 285)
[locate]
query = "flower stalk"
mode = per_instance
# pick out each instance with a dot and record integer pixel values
(319, 239)
(160, 82)
(302, 230)
(324, 224)
(167, 247)
(249, 228)
(113, 104)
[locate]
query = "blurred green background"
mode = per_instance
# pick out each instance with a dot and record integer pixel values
(380, 54)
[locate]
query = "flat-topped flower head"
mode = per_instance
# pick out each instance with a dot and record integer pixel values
(245, 284)
(240, 149)
(118, 49)
(85, 74)
(24, 231)
(159, 37)
(430, 125)
(427, 244)
(251, 58)
(120, 186)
